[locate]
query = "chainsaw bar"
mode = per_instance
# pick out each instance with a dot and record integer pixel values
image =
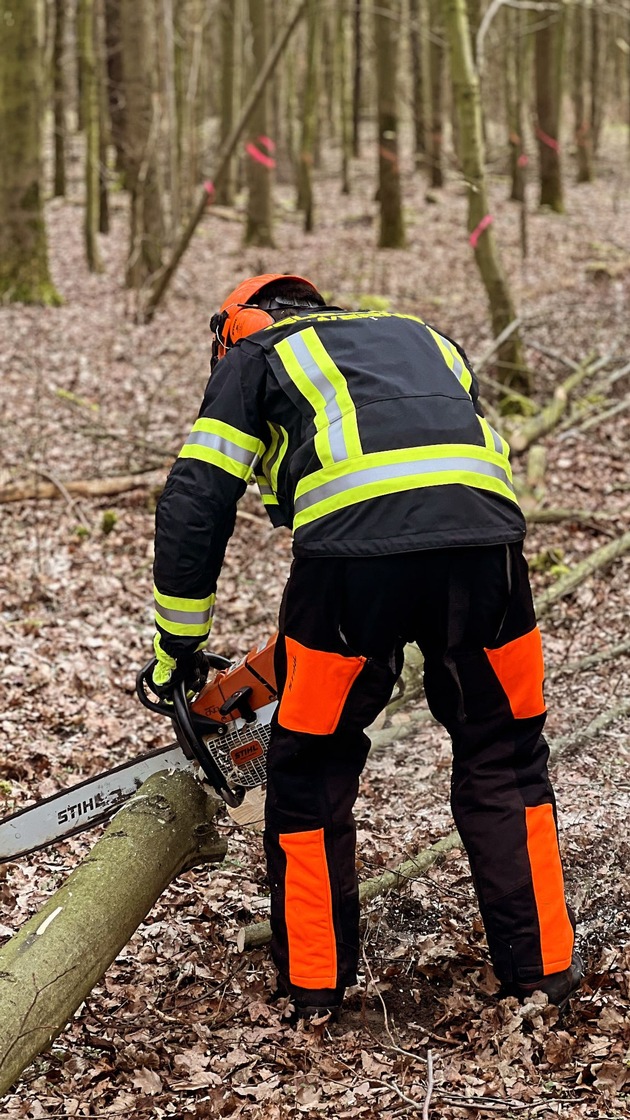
(81, 806)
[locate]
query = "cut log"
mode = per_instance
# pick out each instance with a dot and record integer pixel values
(51, 965)
(82, 487)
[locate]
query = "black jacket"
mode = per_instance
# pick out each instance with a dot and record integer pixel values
(364, 433)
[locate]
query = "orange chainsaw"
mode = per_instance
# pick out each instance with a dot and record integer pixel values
(224, 730)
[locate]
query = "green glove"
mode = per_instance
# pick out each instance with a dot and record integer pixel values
(168, 672)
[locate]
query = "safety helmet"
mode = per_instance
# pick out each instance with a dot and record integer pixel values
(241, 314)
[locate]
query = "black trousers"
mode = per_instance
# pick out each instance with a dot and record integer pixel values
(343, 625)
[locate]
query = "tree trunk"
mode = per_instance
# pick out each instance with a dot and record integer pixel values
(345, 107)
(549, 83)
(468, 107)
(52, 964)
(170, 117)
(24, 275)
(419, 68)
(260, 162)
(59, 99)
(91, 113)
(436, 80)
(386, 29)
(516, 49)
(582, 14)
(115, 91)
(139, 62)
(104, 124)
(357, 80)
(225, 190)
(309, 114)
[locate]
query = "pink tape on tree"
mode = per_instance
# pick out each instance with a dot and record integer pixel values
(522, 160)
(267, 143)
(255, 153)
(209, 188)
(478, 230)
(549, 141)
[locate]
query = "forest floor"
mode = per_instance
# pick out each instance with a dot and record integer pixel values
(181, 1024)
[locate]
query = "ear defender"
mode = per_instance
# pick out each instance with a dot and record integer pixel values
(246, 320)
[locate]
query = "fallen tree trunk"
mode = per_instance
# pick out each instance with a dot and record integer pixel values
(82, 487)
(549, 417)
(597, 560)
(51, 965)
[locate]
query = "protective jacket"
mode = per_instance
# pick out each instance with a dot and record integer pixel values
(365, 435)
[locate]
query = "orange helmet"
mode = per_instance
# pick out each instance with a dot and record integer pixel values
(240, 314)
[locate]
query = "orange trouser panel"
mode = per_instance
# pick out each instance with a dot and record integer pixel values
(556, 933)
(520, 670)
(308, 911)
(316, 688)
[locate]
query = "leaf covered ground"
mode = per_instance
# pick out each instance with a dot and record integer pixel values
(181, 1024)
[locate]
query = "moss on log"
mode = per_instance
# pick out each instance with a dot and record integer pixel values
(51, 965)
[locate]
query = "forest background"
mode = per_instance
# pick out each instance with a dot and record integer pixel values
(467, 162)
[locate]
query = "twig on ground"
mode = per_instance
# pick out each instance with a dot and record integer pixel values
(497, 342)
(607, 414)
(597, 560)
(429, 1094)
(591, 661)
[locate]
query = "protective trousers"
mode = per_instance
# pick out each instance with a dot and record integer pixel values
(343, 625)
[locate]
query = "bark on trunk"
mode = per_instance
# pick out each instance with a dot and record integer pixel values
(386, 25)
(59, 99)
(309, 114)
(549, 74)
(227, 21)
(260, 159)
(581, 101)
(357, 81)
(466, 90)
(436, 81)
(24, 275)
(91, 115)
(51, 965)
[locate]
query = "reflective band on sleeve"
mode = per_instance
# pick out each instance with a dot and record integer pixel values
(493, 441)
(391, 472)
(315, 375)
(453, 359)
(223, 446)
(266, 493)
(308, 911)
(556, 931)
(184, 617)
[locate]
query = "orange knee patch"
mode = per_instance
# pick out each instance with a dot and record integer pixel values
(520, 670)
(316, 688)
(556, 931)
(308, 911)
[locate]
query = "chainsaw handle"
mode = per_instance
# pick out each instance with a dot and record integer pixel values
(144, 681)
(184, 726)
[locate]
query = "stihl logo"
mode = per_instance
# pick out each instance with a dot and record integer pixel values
(246, 753)
(82, 808)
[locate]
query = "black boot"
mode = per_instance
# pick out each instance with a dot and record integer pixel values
(558, 986)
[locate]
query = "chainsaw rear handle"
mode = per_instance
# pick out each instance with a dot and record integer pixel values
(184, 723)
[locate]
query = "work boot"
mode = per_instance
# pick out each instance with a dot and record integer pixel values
(558, 986)
(310, 1004)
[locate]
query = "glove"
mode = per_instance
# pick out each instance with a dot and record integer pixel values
(168, 672)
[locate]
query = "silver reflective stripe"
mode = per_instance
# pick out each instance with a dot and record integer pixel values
(263, 485)
(458, 365)
(497, 441)
(223, 446)
(189, 618)
(369, 475)
(318, 378)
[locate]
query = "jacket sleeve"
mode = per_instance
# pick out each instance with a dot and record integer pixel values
(197, 510)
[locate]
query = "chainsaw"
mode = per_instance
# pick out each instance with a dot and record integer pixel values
(222, 734)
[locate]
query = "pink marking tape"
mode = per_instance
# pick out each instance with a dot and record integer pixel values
(548, 140)
(255, 153)
(267, 143)
(522, 160)
(209, 188)
(477, 232)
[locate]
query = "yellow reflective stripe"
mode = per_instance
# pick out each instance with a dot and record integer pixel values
(494, 441)
(315, 375)
(398, 485)
(187, 618)
(280, 449)
(175, 603)
(312, 395)
(347, 410)
(453, 359)
(331, 316)
(222, 445)
(228, 432)
(487, 434)
(269, 499)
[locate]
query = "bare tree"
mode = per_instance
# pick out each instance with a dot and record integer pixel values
(24, 275)
(260, 164)
(386, 29)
